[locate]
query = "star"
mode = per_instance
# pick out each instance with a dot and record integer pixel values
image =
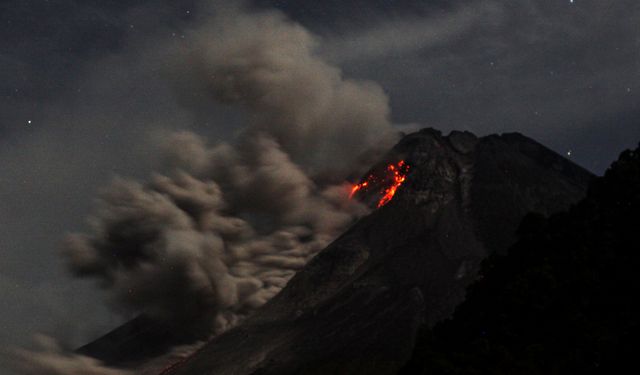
(29, 122)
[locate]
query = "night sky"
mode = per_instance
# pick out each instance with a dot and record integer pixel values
(87, 88)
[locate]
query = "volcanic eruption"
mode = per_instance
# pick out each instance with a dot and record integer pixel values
(356, 306)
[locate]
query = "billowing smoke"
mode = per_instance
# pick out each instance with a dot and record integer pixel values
(200, 254)
(223, 230)
(267, 63)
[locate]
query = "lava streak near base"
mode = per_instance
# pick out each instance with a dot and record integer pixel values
(390, 180)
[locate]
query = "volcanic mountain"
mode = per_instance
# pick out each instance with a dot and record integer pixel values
(441, 204)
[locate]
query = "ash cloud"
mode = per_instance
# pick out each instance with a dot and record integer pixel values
(222, 230)
(268, 65)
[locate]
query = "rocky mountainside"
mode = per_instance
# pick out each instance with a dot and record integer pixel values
(357, 306)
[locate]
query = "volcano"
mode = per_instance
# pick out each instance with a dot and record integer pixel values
(356, 307)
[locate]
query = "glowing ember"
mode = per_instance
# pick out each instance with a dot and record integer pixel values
(357, 187)
(395, 176)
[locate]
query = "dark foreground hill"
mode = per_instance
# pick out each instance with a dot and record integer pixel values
(357, 307)
(562, 301)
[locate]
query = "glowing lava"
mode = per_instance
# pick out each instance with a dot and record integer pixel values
(357, 187)
(395, 175)
(399, 175)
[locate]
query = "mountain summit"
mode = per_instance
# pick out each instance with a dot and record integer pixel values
(356, 307)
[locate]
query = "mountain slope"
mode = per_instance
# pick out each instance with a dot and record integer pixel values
(356, 307)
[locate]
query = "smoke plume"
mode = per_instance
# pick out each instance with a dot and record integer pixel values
(218, 234)
(267, 64)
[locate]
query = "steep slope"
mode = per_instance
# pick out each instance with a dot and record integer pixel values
(356, 307)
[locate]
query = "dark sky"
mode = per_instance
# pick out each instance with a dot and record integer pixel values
(87, 86)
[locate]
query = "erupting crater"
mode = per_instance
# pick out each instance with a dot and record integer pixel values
(389, 180)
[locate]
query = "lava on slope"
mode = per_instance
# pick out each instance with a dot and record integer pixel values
(390, 180)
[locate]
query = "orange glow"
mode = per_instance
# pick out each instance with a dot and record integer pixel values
(357, 187)
(391, 181)
(398, 179)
